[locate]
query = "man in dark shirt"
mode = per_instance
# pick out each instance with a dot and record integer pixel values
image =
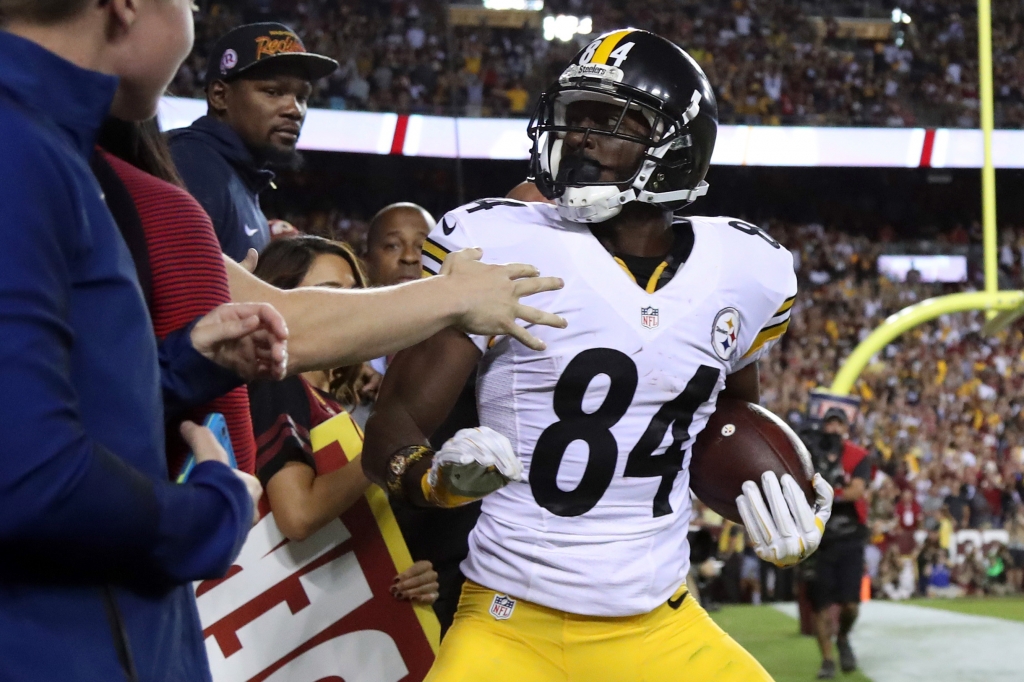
(258, 85)
(839, 562)
(394, 243)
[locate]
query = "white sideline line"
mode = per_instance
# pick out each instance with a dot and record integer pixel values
(905, 643)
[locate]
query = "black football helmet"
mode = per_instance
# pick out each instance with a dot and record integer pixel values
(638, 71)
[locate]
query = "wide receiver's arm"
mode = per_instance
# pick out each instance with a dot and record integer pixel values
(419, 390)
(743, 385)
(786, 530)
(335, 327)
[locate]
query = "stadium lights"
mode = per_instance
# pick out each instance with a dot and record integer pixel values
(529, 5)
(900, 17)
(565, 26)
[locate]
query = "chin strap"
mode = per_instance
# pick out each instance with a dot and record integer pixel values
(679, 195)
(597, 204)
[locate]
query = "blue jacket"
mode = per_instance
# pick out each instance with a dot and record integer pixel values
(97, 548)
(220, 172)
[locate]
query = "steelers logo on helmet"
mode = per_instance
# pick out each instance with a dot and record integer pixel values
(632, 118)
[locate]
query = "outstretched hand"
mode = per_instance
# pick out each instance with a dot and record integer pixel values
(492, 295)
(250, 339)
(252, 257)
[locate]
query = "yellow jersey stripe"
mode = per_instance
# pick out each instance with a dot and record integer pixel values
(438, 245)
(427, 273)
(607, 45)
(434, 251)
(622, 264)
(765, 335)
(786, 305)
(770, 327)
(652, 283)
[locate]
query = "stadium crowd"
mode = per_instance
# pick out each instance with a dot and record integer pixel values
(941, 410)
(773, 61)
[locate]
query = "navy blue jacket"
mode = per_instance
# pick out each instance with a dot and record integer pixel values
(91, 531)
(220, 172)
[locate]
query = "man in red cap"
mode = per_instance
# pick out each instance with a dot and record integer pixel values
(258, 83)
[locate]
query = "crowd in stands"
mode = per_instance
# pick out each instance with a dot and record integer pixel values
(941, 413)
(772, 61)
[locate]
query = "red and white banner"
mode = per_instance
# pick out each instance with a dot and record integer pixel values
(319, 609)
(505, 138)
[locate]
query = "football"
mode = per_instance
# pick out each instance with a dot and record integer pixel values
(740, 442)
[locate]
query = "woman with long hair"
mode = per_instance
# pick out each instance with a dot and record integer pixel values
(293, 260)
(285, 412)
(176, 256)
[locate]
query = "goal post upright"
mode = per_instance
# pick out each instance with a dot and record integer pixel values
(987, 120)
(1002, 307)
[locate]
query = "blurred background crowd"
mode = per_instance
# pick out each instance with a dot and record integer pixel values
(940, 416)
(907, 63)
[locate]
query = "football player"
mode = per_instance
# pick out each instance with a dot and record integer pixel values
(577, 566)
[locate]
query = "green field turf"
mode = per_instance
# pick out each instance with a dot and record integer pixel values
(1010, 608)
(773, 639)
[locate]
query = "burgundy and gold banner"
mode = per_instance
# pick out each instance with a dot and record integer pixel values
(319, 609)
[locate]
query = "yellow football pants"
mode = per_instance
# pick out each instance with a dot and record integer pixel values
(538, 644)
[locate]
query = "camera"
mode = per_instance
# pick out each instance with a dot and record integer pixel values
(826, 453)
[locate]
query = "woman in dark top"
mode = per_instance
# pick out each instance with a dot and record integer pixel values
(284, 413)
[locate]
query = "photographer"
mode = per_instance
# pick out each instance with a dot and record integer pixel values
(839, 561)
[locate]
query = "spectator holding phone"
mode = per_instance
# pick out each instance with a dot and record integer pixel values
(98, 549)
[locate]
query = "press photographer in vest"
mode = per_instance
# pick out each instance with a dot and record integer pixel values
(839, 561)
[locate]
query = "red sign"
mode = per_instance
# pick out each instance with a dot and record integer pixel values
(319, 609)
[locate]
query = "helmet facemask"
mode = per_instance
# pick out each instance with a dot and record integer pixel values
(580, 195)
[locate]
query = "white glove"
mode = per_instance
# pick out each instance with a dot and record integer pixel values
(472, 464)
(792, 530)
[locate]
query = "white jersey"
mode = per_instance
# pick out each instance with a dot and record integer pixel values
(603, 420)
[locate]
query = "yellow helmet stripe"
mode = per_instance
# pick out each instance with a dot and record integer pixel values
(607, 45)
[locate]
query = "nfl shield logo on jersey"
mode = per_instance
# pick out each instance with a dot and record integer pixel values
(649, 317)
(725, 332)
(501, 607)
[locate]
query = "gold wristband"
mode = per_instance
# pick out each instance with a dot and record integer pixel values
(399, 464)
